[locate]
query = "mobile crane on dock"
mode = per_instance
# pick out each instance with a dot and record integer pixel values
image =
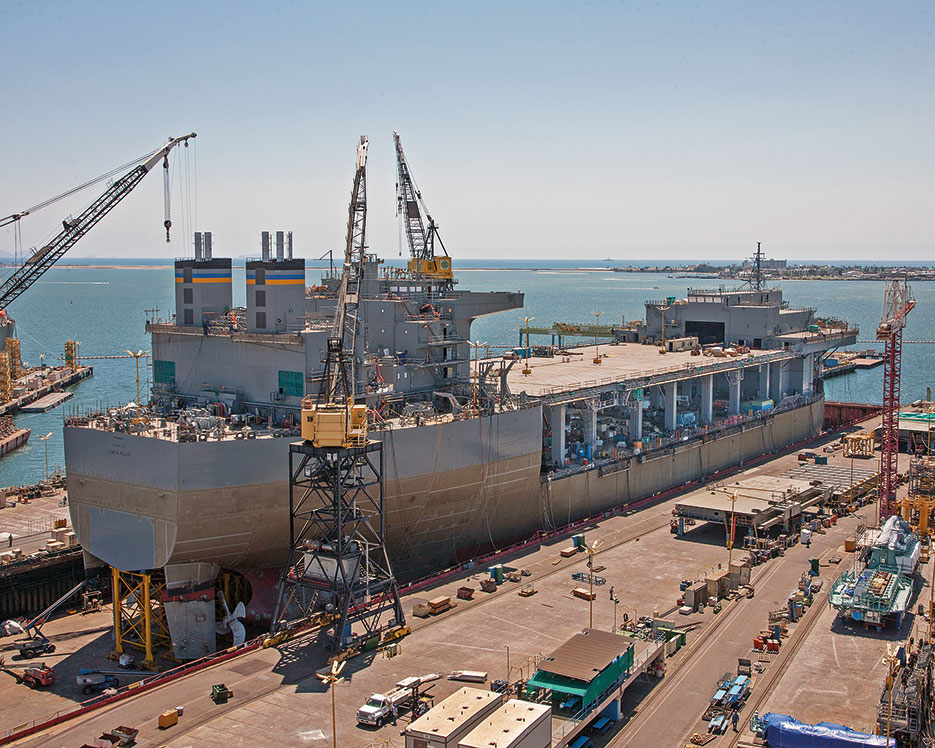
(36, 642)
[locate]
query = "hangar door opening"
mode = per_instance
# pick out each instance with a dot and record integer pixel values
(706, 332)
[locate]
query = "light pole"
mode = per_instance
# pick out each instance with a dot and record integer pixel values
(526, 369)
(138, 355)
(664, 309)
(730, 537)
(45, 441)
(591, 550)
(597, 332)
(330, 679)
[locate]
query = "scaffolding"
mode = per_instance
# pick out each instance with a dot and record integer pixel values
(903, 712)
(139, 614)
(918, 505)
(6, 383)
(15, 358)
(71, 354)
(922, 477)
(339, 573)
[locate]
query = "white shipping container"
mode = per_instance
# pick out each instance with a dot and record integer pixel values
(450, 720)
(517, 724)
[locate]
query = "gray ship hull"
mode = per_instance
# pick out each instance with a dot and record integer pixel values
(450, 488)
(143, 503)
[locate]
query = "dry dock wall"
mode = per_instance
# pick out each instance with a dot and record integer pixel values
(585, 494)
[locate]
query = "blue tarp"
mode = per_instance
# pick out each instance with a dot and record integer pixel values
(783, 731)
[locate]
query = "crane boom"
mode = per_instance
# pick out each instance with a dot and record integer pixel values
(897, 304)
(355, 244)
(333, 420)
(421, 230)
(33, 267)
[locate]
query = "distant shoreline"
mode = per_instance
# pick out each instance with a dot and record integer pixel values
(685, 273)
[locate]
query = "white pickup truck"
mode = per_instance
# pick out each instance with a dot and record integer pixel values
(379, 707)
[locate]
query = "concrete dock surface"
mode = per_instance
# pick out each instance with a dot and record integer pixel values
(834, 674)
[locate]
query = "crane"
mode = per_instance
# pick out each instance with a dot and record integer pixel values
(897, 303)
(333, 420)
(410, 208)
(336, 511)
(32, 268)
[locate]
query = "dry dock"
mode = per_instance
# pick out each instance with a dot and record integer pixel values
(277, 698)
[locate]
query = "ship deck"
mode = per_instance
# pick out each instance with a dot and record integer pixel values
(630, 364)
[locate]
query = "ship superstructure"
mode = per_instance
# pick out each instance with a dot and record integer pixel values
(476, 456)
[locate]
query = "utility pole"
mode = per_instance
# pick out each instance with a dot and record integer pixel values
(526, 370)
(591, 550)
(330, 679)
(476, 346)
(597, 331)
(138, 355)
(45, 441)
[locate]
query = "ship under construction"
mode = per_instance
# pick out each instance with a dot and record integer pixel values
(478, 452)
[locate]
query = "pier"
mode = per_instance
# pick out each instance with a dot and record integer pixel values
(65, 377)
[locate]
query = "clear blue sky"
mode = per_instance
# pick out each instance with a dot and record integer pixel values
(537, 129)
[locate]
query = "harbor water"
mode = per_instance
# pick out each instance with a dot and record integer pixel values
(106, 307)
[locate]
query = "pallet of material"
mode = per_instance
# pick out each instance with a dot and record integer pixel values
(568, 552)
(439, 605)
(421, 611)
(471, 676)
(583, 593)
(465, 593)
(168, 719)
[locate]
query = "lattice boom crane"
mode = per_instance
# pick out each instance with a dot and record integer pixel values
(420, 237)
(897, 304)
(72, 230)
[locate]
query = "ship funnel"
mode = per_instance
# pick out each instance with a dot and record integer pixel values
(289, 245)
(198, 245)
(207, 245)
(264, 243)
(280, 245)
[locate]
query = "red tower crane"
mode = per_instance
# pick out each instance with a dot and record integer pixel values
(897, 303)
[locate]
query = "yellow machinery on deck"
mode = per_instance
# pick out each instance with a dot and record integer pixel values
(334, 424)
(419, 226)
(435, 268)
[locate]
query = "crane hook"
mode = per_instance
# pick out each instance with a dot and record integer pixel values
(165, 181)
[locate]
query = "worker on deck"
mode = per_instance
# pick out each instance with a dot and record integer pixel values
(735, 720)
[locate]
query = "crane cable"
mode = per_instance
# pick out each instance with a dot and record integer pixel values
(68, 193)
